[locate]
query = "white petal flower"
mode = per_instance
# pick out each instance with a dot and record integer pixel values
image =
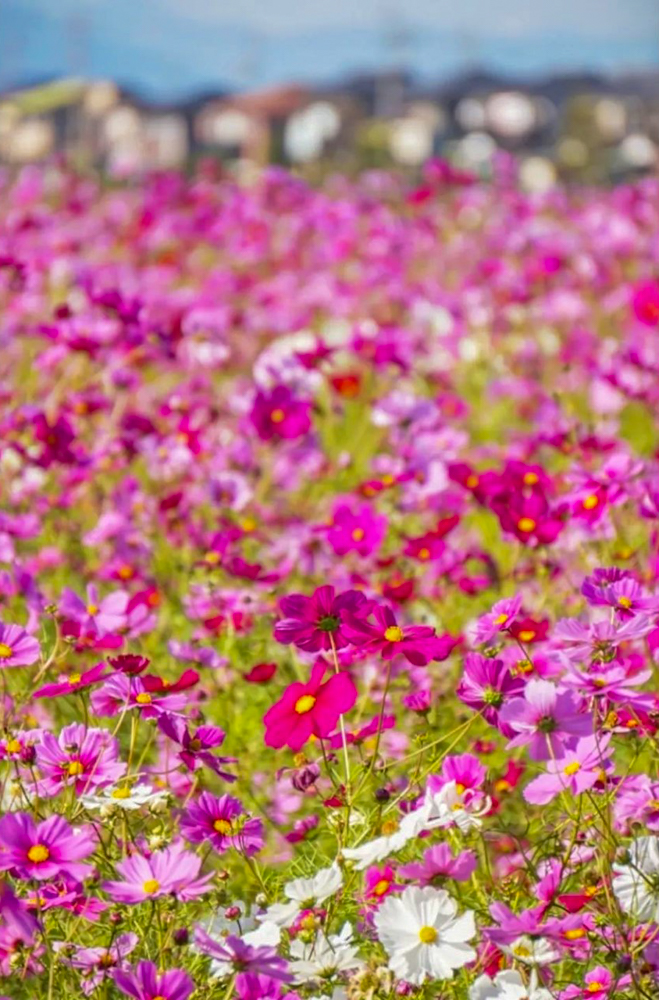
(123, 797)
(423, 934)
(532, 951)
(304, 894)
(508, 985)
(636, 885)
(447, 807)
(411, 825)
(323, 957)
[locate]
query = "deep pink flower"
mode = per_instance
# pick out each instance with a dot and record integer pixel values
(486, 684)
(235, 955)
(17, 647)
(196, 746)
(144, 983)
(44, 850)
(417, 643)
(501, 616)
(80, 758)
(121, 692)
(309, 709)
(309, 622)
(356, 529)
(170, 872)
(97, 964)
(645, 303)
(279, 414)
(71, 683)
(439, 864)
(224, 823)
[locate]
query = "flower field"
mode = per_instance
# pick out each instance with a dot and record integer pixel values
(329, 589)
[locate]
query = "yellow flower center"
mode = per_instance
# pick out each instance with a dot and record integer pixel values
(590, 502)
(92, 609)
(5, 651)
(222, 826)
(74, 768)
(277, 416)
(143, 698)
(125, 572)
(121, 793)
(472, 482)
(427, 935)
(531, 478)
(594, 987)
(75, 678)
(521, 951)
(13, 746)
(501, 620)
(212, 558)
(575, 933)
(249, 524)
(526, 524)
(424, 554)
(305, 704)
(150, 886)
(388, 827)
(394, 634)
(381, 887)
(572, 767)
(358, 534)
(625, 602)
(526, 635)
(38, 853)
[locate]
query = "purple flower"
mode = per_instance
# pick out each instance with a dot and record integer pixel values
(546, 719)
(486, 684)
(71, 683)
(96, 617)
(196, 747)
(584, 639)
(97, 963)
(44, 850)
(79, 757)
(253, 986)
(171, 872)
(144, 983)
(617, 589)
(122, 691)
(575, 772)
(224, 823)
(17, 647)
(512, 925)
(310, 621)
(439, 864)
(501, 616)
(233, 955)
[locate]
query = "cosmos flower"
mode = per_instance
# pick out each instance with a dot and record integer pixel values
(144, 983)
(309, 709)
(44, 850)
(309, 622)
(545, 718)
(82, 758)
(17, 647)
(224, 823)
(170, 872)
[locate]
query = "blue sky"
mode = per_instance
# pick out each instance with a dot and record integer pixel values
(172, 47)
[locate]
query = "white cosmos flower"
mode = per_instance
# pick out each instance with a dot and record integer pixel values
(123, 797)
(303, 894)
(532, 951)
(324, 956)
(508, 985)
(447, 807)
(636, 885)
(367, 854)
(423, 934)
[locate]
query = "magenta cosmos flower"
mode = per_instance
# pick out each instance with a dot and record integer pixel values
(224, 823)
(171, 872)
(44, 850)
(486, 685)
(144, 983)
(17, 647)
(95, 616)
(439, 864)
(417, 643)
(313, 622)
(71, 683)
(196, 746)
(546, 719)
(501, 616)
(278, 414)
(79, 757)
(356, 529)
(311, 709)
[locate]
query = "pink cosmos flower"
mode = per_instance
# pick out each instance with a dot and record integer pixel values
(121, 692)
(17, 647)
(95, 616)
(144, 983)
(170, 872)
(279, 414)
(581, 639)
(44, 850)
(417, 643)
(254, 986)
(379, 883)
(233, 954)
(546, 719)
(576, 771)
(439, 864)
(503, 613)
(196, 746)
(356, 529)
(309, 622)
(645, 303)
(224, 823)
(99, 963)
(309, 709)
(598, 984)
(71, 683)
(486, 685)
(80, 758)
(18, 933)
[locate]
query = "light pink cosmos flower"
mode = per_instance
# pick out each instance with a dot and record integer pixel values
(171, 872)
(501, 616)
(121, 692)
(44, 850)
(546, 719)
(95, 616)
(17, 647)
(574, 772)
(96, 964)
(580, 639)
(79, 757)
